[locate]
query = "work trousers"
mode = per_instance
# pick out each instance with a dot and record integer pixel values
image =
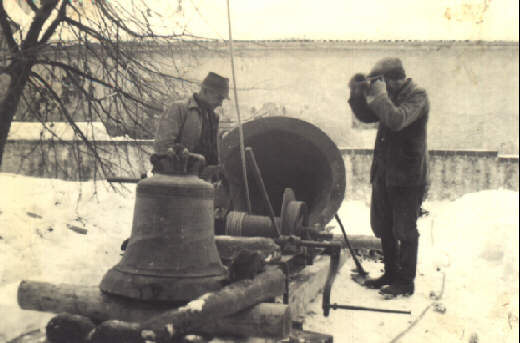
(393, 217)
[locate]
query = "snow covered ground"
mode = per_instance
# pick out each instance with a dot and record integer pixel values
(59, 231)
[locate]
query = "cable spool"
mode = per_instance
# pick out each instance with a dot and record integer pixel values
(294, 216)
(234, 222)
(247, 225)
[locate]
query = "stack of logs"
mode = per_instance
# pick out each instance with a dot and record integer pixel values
(237, 309)
(243, 308)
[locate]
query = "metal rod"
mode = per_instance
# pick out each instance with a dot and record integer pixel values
(258, 175)
(359, 267)
(362, 308)
(123, 179)
(240, 130)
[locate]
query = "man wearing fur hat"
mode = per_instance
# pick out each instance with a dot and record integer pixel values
(399, 167)
(193, 123)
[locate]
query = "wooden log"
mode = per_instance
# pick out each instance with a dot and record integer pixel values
(357, 241)
(266, 320)
(88, 301)
(226, 301)
(91, 302)
(262, 320)
(229, 246)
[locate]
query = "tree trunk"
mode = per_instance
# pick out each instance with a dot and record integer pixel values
(19, 73)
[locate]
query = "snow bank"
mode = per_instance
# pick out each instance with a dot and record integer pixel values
(475, 241)
(42, 222)
(471, 242)
(41, 226)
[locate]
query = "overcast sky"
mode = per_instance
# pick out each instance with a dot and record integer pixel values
(358, 20)
(330, 19)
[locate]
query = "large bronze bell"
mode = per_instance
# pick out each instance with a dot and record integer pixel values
(171, 254)
(291, 153)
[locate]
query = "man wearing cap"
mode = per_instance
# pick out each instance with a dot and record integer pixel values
(399, 167)
(193, 123)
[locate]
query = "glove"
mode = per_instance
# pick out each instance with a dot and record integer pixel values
(358, 85)
(211, 173)
(377, 88)
(173, 162)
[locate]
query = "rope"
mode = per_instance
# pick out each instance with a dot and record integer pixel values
(234, 224)
(240, 130)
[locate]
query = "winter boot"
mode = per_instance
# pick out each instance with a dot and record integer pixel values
(408, 257)
(386, 279)
(398, 287)
(390, 258)
(404, 283)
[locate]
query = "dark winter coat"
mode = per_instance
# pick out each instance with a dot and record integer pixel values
(400, 153)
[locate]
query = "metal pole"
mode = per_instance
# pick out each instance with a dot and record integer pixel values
(362, 308)
(258, 174)
(359, 267)
(240, 130)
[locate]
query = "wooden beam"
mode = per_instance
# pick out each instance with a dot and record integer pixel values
(308, 284)
(262, 320)
(356, 241)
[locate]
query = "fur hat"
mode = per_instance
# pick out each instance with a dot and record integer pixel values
(390, 67)
(217, 83)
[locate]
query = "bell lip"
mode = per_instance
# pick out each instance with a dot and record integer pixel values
(176, 289)
(166, 275)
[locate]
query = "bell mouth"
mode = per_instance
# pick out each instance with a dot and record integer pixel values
(159, 287)
(290, 153)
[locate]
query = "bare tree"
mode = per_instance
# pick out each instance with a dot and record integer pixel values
(97, 65)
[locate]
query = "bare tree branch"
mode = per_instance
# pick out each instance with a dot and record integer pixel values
(71, 121)
(94, 67)
(6, 28)
(96, 80)
(59, 19)
(119, 22)
(39, 19)
(32, 5)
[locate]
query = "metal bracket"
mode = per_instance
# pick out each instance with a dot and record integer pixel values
(335, 255)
